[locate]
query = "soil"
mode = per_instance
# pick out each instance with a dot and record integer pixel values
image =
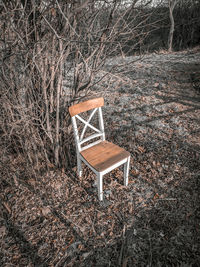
(152, 109)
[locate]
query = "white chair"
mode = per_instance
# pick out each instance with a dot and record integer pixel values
(100, 156)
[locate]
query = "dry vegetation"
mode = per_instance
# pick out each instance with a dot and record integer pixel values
(153, 111)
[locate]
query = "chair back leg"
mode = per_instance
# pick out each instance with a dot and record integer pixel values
(126, 171)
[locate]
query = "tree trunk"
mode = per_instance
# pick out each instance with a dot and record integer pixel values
(57, 143)
(172, 4)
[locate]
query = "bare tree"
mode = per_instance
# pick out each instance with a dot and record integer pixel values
(172, 4)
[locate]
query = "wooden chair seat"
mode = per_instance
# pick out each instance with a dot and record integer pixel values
(104, 155)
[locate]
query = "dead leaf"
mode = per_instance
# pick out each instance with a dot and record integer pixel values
(53, 12)
(45, 211)
(135, 172)
(156, 196)
(69, 244)
(50, 165)
(141, 149)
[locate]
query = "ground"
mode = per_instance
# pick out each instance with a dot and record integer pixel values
(151, 109)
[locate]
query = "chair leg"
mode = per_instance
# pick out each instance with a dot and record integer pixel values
(100, 186)
(79, 167)
(126, 171)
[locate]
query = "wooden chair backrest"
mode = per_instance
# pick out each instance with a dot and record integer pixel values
(93, 105)
(85, 106)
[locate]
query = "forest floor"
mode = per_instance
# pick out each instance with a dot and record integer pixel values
(152, 110)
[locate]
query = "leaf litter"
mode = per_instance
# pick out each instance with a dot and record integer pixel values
(152, 110)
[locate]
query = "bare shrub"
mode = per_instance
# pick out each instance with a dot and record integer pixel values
(51, 53)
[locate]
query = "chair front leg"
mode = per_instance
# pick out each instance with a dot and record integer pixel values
(100, 186)
(126, 171)
(79, 167)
